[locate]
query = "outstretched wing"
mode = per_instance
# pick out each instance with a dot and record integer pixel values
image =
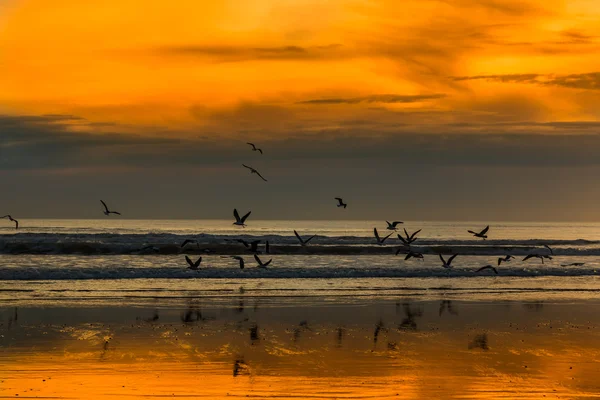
(189, 261)
(186, 241)
(198, 261)
(488, 267)
(261, 177)
(104, 204)
(409, 255)
(115, 212)
(257, 259)
(472, 233)
(484, 231)
(250, 168)
(260, 151)
(402, 239)
(442, 258)
(414, 234)
(252, 144)
(339, 199)
(267, 263)
(298, 236)
(245, 216)
(309, 239)
(16, 224)
(384, 239)
(528, 257)
(376, 235)
(549, 248)
(451, 258)
(236, 215)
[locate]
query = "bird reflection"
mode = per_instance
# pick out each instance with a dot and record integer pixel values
(302, 326)
(340, 336)
(154, 317)
(254, 334)
(239, 366)
(193, 314)
(409, 323)
(447, 305)
(534, 306)
(479, 342)
(378, 329)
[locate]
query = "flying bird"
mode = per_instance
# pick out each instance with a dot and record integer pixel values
(186, 241)
(254, 148)
(341, 202)
(303, 242)
(107, 211)
(481, 234)
(504, 259)
(253, 171)
(260, 263)
(392, 225)
(379, 240)
(540, 256)
(412, 254)
(488, 267)
(240, 221)
(240, 259)
(409, 238)
(447, 264)
(194, 266)
(13, 220)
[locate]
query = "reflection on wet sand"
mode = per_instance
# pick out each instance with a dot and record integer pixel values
(402, 350)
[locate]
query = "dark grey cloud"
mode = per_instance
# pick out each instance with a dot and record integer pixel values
(40, 142)
(376, 98)
(587, 81)
(240, 53)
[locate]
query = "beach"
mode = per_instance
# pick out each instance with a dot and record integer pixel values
(85, 314)
(253, 347)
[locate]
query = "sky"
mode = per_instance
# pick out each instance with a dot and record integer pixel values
(483, 110)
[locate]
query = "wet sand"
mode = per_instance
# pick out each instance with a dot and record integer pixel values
(291, 349)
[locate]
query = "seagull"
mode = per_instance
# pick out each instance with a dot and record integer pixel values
(254, 148)
(447, 264)
(341, 202)
(505, 259)
(194, 266)
(409, 238)
(541, 257)
(379, 240)
(186, 241)
(240, 259)
(260, 263)
(252, 170)
(303, 242)
(240, 221)
(13, 220)
(412, 254)
(107, 211)
(549, 248)
(481, 234)
(488, 267)
(392, 226)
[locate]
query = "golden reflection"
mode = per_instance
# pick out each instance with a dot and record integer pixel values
(379, 350)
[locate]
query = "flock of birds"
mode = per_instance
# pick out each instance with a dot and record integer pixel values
(407, 240)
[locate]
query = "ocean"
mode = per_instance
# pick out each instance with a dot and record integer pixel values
(87, 261)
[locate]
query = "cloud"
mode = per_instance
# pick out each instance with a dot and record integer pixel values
(377, 98)
(587, 81)
(44, 144)
(247, 53)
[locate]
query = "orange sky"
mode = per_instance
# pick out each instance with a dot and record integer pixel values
(229, 67)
